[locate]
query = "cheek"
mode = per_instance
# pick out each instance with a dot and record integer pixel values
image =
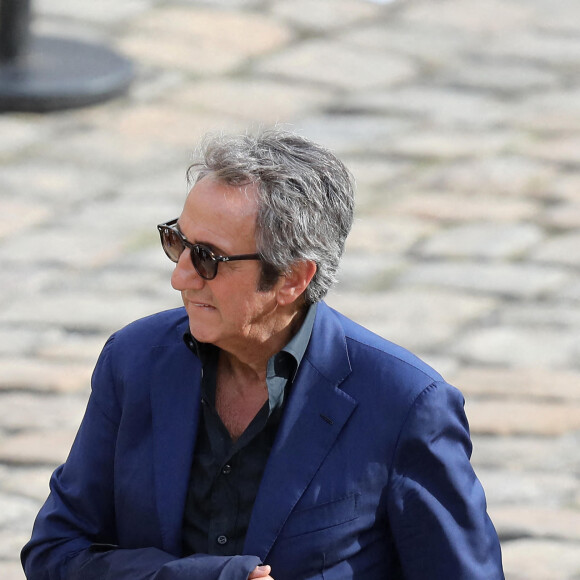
(239, 300)
(262, 305)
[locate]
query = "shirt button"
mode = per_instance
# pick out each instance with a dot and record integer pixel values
(226, 469)
(222, 540)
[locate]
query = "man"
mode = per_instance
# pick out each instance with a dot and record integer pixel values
(257, 433)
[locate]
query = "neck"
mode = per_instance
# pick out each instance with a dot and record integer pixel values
(252, 359)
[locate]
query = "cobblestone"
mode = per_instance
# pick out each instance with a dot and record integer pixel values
(324, 15)
(34, 447)
(515, 280)
(564, 216)
(51, 364)
(550, 523)
(528, 383)
(336, 64)
(165, 38)
(495, 178)
(28, 482)
(523, 417)
(483, 240)
(520, 346)
(556, 110)
(417, 319)
(458, 208)
(432, 104)
(529, 453)
(530, 559)
(461, 124)
(529, 489)
(561, 249)
(273, 101)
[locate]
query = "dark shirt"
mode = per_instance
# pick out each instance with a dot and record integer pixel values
(225, 475)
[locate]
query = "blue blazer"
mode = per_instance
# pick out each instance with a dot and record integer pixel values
(369, 476)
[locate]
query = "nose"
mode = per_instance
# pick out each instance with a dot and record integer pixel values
(184, 276)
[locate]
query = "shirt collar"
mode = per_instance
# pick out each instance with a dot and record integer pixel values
(283, 366)
(297, 345)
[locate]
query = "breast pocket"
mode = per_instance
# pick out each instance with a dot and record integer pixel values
(321, 516)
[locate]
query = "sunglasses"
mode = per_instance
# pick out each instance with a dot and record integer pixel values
(203, 259)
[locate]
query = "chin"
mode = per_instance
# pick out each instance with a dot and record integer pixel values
(200, 335)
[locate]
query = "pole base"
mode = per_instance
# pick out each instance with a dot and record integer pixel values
(60, 74)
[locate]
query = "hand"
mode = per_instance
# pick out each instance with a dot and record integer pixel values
(261, 572)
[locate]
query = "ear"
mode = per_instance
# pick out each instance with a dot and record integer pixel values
(294, 283)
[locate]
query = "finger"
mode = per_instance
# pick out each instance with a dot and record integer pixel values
(260, 572)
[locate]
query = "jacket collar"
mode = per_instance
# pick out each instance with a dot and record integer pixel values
(316, 412)
(175, 401)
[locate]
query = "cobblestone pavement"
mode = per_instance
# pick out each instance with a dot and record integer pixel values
(461, 122)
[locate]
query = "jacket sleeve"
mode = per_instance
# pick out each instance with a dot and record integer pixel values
(154, 564)
(437, 506)
(74, 535)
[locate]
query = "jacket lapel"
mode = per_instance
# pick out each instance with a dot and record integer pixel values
(175, 398)
(314, 416)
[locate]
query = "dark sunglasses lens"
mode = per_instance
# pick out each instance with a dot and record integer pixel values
(172, 244)
(204, 263)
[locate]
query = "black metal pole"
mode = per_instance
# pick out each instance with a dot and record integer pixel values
(14, 29)
(46, 74)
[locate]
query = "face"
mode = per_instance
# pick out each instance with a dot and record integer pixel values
(227, 311)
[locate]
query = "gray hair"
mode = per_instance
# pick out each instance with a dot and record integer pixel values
(305, 200)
